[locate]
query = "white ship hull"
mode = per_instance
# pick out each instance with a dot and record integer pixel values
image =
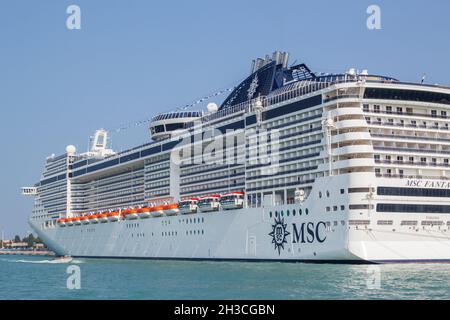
(237, 235)
(246, 234)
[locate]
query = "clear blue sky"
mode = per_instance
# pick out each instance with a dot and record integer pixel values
(134, 58)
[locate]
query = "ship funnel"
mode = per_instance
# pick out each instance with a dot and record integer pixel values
(278, 56)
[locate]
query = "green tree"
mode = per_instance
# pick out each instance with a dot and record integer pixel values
(29, 240)
(16, 238)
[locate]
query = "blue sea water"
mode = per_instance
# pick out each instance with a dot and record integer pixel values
(24, 277)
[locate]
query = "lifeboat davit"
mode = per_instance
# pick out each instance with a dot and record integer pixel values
(144, 213)
(102, 217)
(157, 211)
(93, 218)
(77, 221)
(61, 222)
(69, 222)
(171, 209)
(132, 214)
(84, 220)
(113, 216)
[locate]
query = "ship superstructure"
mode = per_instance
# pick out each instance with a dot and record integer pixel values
(293, 165)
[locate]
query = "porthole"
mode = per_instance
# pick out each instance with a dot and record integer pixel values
(306, 211)
(293, 212)
(287, 213)
(276, 214)
(270, 214)
(300, 212)
(320, 194)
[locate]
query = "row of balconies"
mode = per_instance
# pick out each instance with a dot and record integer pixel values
(412, 163)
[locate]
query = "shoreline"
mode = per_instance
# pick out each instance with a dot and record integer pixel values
(27, 253)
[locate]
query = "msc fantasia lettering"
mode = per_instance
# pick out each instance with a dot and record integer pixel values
(428, 183)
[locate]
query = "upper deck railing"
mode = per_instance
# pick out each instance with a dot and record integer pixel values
(300, 89)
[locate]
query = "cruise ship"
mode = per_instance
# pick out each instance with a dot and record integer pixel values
(293, 165)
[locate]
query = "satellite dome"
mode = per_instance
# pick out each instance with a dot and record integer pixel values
(70, 149)
(212, 107)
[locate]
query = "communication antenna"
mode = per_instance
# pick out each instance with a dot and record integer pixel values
(423, 78)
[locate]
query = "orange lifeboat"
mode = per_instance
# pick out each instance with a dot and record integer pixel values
(93, 218)
(157, 211)
(61, 222)
(171, 209)
(84, 220)
(102, 217)
(132, 214)
(69, 222)
(113, 216)
(125, 212)
(143, 213)
(77, 221)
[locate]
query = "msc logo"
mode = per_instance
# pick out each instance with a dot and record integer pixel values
(279, 234)
(306, 232)
(313, 232)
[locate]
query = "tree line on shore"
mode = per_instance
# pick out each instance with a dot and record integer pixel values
(30, 240)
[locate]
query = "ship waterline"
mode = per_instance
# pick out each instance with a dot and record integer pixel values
(293, 166)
